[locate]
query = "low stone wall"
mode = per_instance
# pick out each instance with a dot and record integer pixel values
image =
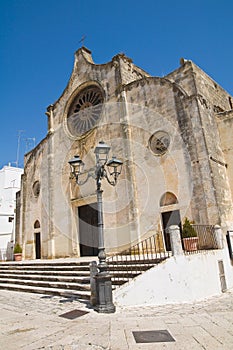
(178, 279)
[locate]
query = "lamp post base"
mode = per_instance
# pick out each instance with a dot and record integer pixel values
(104, 302)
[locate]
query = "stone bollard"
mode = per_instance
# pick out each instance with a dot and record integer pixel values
(175, 239)
(93, 273)
(218, 237)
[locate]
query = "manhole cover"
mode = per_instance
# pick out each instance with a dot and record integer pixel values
(71, 315)
(160, 336)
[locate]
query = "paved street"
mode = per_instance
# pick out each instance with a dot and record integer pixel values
(30, 321)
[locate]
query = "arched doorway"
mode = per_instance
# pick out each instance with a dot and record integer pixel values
(170, 215)
(37, 236)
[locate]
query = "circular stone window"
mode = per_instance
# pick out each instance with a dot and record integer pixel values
(85, 111)
(36, 189)
(159, 142)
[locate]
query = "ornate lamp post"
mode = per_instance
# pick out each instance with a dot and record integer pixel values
(109, 169)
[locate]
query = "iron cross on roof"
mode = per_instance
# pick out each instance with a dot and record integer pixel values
(82, 40)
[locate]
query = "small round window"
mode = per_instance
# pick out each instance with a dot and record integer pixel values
(36, 189)
(159, 142)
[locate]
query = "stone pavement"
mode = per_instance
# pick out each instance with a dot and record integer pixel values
(30, 321)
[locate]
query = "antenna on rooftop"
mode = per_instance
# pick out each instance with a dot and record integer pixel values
(18, 147)
(30, 143)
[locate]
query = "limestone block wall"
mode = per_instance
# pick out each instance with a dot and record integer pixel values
(109, 76)
(162, 113)
(136, 106)
(225, 125)
(184, 77)
(210, 90)
(206, 98)
(128, 71)
(152, 108)
(34, 201)
(191, 133)
(63, 218)
(196, 82)
(213, 98)
(213, 176)
(116, 199)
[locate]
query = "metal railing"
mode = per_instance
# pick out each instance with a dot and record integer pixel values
(2, 254)
(149, 252)
(138, 258)
(206, 239)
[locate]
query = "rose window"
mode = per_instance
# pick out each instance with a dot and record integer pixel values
(85, 111)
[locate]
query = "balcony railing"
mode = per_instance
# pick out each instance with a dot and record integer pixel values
(206, 239)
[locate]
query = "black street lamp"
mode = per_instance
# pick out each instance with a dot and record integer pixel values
(109, 169)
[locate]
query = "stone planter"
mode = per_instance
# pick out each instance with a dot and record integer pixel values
(18, 256)
(190, 244)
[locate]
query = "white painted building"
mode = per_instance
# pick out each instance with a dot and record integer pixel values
(10, 178)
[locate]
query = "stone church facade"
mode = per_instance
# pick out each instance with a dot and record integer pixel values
(173, 135)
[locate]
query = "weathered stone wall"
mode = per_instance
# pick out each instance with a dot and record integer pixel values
(33, 206)
(218, 172)
(184, 78)
(210, 90)
(136, 106)
(190, 128)
(207, 99)
(196, 82)
(152, 108)
(109, 76)
(225, 126)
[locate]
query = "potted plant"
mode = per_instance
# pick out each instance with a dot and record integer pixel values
(189, 235)
(17, 252)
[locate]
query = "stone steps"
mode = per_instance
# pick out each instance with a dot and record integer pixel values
(74, 274)
(61, 278)
(46, 284)
(42, 277)
(51, 291)
(65, 278)
(44, 268)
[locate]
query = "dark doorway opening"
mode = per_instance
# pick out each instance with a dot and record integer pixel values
(170, 218)
(88, 229)
(38, 245)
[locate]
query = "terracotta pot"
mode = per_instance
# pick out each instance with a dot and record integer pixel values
(190, 243)
(18, 257)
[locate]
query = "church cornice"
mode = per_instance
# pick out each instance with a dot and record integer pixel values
(154, 80)
(83, 57)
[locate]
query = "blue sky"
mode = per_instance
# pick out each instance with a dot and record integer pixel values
(38, 39)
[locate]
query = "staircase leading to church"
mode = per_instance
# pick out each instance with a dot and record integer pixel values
(68, 279)
(62, 279)
(71, 278)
